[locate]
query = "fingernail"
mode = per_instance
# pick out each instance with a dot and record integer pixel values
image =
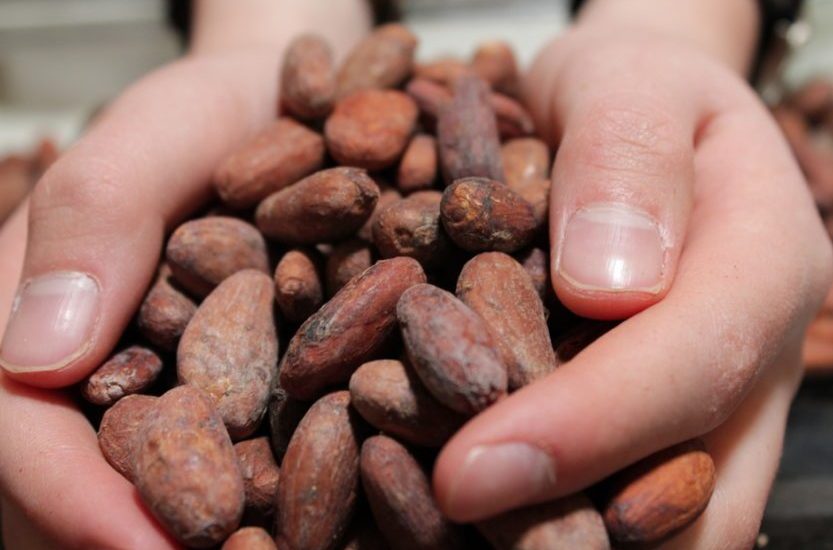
(495, 478)
(51, 323)
(612, 247)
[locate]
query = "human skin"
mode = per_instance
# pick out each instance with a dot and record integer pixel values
(650, 113)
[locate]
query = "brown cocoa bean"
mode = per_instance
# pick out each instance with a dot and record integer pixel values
(349, 330)
(498, 288)
(278, 156)
(451, 349)
(389, 395)
(525, 160)
(370, 128)
(260, 472)
(660, 494)
(347, 260)
(429, 96)
(401, 499)
(443, 71)
(382, 60)
(129, 371)
(319, 477)
(494, 62)
(186, 469)
(480, 214)
(308, 84)
(411, 227)
(118, 433)
(513, 120)
(418, 168)
(536, 262)
(330, 205)
(230, 350)
(249, 538)
(298, 287)
(387, 196)
(203, 252)
(165, 312)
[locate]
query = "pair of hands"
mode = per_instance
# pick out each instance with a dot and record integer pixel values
(672, 188)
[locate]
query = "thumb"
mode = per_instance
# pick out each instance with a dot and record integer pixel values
(98, 216)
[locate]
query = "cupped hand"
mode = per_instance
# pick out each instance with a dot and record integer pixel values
(676, 204)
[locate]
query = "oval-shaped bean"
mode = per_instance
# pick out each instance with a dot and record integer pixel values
(298, 287)
(260, 472)
(308, 84)
(411, 227)
(418, 168)
(347, 260)
(165, 312)
(382, 60)
(118, 433)
(131, 370)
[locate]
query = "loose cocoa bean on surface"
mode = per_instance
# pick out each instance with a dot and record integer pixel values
(330, 205)
(658, 495)
(230, 349)
(411, 227)
(382, 60)
(319, 477)
(498, 288)
(401, 499)
(390, 396)
(347, 260)
(480, 214)
(418, 168)
(202, 253)
(129, 371)
(299, 290)
(348, 330)
(451, 349)
(308, 83)
(186, 469)
(165, 312)
(249, 538)
(118, 433)
(371, 128)
(281, 154)
(260, 472)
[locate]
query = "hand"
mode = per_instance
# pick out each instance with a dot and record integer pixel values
(674, 198)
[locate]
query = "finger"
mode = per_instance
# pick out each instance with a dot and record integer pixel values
(677, 369)
(98, 216)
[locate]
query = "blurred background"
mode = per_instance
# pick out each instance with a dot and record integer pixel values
(61, 60)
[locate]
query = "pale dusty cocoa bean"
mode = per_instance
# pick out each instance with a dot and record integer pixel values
(118, 433)
(347, 260)
(382, 60)
(319, 476)
(131, 370)
(387, 196)
(570, 522)
(660, 494)
(330, 205)
(203, 252)
(370, 128)
(165, 312)
(444, 71)
(261, 474)
(524, 160)
(536, 262)
(349, 330)
(480, 214)
(467, 134)
(389, 395)
(498, 288)
(249, 538)
(451, 349)
(578, 338)
(308, 84)
(494, 62)
(230, 349)
(186, 469)
(298, 287)
(284, 415)
(401, 499)
(281, 154)
(411, 227)
(418, 168)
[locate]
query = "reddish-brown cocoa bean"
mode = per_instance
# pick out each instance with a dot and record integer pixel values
(401, 499)
(451, 349)
(570, 522)
(536, 262)
(467, 134)
(129, 371)
(281, 154)
(389, 395)
(261, 474)
(165, 312)
(249, 538)
(498, 288)
(319, 476)
(370, 128)
(418, 168)
(330, 205)
(524, 160)
(349, 330)
(230, 349)
(347, 260)
(660, 494)
(387, 196)
(203, 252)
(429, 96)
(444, 71)
(118, 433)
(298, 287)
(480, 214)
(382, 60)
(494, 62)
(308, 83)
(411, 227)
(186, 469)
(513, 120)
(284, 415)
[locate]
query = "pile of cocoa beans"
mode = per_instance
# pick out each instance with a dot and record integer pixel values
(390, 228)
